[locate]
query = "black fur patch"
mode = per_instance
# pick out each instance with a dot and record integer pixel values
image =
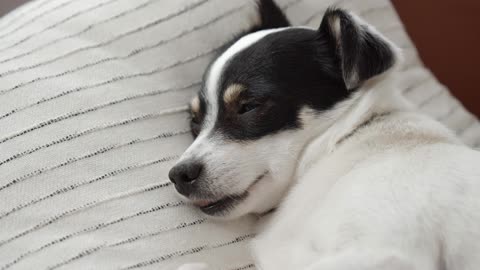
(271, 16)
(295, 68)
(282, 73)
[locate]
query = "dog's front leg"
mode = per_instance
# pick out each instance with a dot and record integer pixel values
(378, 260)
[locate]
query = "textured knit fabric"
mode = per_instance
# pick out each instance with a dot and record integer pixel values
(93, 100)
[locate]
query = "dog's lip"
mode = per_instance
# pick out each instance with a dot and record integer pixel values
(214, 206)
(222, 204)
(202, 203)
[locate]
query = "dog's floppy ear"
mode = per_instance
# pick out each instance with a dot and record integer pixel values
(267, 15)
(270, 16)
(361, 51)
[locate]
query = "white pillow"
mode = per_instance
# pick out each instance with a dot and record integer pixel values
(93, 100)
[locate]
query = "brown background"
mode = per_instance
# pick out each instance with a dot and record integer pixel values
(447, 34)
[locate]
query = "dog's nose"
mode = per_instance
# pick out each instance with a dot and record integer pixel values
(184, 175)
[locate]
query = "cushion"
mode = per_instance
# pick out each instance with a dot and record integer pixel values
(93, 98)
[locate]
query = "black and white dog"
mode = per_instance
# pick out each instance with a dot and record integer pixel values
(310, 118)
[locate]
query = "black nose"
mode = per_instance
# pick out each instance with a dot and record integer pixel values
(185, 173)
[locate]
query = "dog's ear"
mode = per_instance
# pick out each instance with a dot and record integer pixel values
(361, 51)
(267, 15)
(270, 16)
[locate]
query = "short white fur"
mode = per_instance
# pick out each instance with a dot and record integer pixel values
(400, 193)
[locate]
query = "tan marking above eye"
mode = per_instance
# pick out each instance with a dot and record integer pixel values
(195, 106)
(232, 93)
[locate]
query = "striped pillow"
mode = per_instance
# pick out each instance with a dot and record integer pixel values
(93, 114)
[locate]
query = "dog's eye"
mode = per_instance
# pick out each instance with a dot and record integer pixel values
(195, 126)
(247, 107)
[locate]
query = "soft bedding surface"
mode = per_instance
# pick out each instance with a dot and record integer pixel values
(93, 100)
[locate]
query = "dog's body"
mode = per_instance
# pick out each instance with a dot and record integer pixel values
(399, 193)
(311, 118)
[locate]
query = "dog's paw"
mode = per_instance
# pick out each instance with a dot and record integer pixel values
(193, 266)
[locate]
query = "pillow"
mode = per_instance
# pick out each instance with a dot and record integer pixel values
(93, 98)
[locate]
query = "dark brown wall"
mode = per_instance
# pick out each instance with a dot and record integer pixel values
(447, 34)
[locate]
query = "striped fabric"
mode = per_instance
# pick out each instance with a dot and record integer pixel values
(93, 114)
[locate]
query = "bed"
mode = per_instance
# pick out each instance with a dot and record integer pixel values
(93, 114)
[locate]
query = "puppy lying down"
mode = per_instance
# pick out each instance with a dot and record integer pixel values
(308, 122)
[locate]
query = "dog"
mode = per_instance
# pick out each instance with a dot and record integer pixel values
(309, 122)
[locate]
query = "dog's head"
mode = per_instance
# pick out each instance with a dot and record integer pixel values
(262, 101)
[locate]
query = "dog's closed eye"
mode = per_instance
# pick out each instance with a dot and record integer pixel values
(195, 127)
(236, 101)
(248, 107)
(195, 114)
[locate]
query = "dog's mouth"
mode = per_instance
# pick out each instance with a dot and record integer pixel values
(222, 205)
(227, 202)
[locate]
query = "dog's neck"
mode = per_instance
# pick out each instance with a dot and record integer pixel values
(373, 100)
